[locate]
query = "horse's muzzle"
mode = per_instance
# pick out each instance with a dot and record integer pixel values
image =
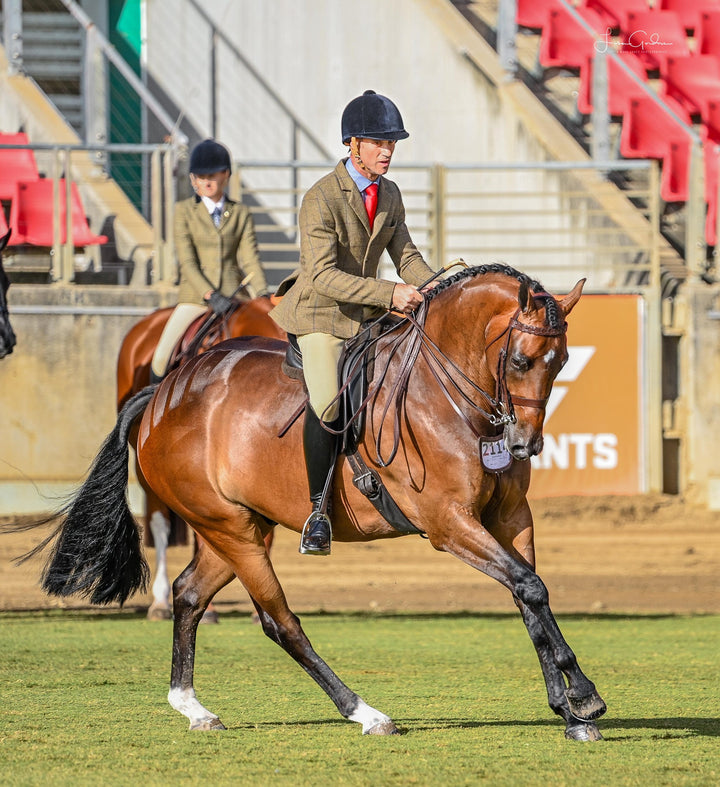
(523, 446)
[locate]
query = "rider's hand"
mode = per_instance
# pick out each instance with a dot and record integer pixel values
(219, 303)
(406, 298)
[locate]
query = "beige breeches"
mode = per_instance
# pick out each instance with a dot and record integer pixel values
(321, 354)
(183, 314)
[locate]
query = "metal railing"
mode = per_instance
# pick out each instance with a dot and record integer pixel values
(556, 221)
(132, 237)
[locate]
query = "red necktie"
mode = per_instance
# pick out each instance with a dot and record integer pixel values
(371, 202)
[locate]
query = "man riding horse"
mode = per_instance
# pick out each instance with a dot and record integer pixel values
(347, 220)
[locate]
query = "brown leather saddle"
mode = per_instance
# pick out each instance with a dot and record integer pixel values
(203, 333)
(355, 370)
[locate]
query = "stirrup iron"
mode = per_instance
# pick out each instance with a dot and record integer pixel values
(316, 536)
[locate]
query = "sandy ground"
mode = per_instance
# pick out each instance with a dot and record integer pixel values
(645, 554)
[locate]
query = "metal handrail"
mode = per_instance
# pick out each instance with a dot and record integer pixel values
(171, 125)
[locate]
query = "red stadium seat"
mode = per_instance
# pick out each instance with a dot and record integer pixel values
(615, 12)
(650, 132)
(31, 216)
(693, 81)
(707, 35)
(711, 153)
(688, 11)
(3, 223)
(532, 13)
(711, 121)
(621, 86)
(15, 165)
(654, 36)
(564, 43)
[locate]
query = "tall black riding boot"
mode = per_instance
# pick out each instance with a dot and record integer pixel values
(320, 456)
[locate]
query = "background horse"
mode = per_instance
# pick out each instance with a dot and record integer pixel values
(249, 318)
(7, 335)
(461, 389)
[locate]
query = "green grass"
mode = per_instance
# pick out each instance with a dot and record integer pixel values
(83, 702)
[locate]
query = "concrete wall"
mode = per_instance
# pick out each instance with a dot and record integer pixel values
(57, 389)
(316, 55)
(700, 394)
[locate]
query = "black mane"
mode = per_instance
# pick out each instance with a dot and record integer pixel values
(552, 311)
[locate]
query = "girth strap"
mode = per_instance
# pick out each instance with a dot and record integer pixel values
(369, 483)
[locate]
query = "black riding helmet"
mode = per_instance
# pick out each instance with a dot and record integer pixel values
(208, 157)
(372, 116)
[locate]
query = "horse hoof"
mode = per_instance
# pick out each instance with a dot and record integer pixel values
(383, 728)
(580, 731)
(159, 613)
(208, 725)
(210, 616)
(586, 708)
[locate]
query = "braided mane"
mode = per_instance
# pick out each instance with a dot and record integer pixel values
(552, 312)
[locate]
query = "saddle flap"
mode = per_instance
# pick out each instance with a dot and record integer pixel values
(202, 333)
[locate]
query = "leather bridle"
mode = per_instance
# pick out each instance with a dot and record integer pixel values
(498, 410)
(502, 394)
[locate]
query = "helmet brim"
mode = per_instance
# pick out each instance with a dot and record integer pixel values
(393, 136)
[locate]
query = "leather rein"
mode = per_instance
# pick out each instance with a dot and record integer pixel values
(498, 410)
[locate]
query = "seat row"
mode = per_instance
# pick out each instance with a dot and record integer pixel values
(646, 41)
(31, 200)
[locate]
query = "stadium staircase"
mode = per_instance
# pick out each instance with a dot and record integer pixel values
(672, 47)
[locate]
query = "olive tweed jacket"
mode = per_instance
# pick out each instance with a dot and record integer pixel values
(215, 258)
(335, 289)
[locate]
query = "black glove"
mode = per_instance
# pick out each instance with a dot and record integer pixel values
(220, 303)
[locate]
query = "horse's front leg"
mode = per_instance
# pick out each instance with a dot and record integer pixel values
(511, 524)
(467, 539)
(575, 729)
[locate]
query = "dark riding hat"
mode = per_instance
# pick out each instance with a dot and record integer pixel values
(209, 156)
(372, 116)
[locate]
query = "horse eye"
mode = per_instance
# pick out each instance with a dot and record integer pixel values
(520, 362)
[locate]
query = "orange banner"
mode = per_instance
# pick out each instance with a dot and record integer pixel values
(593, 422)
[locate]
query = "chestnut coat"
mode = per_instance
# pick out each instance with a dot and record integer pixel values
(335, 289)
(215, 258)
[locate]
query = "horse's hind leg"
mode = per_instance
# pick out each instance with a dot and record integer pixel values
(252, 566)
(192, 591)
(575, 729)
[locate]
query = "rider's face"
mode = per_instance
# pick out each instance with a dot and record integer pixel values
(212, 185)
(376, 154)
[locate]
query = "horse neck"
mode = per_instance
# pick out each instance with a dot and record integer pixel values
(462, 320)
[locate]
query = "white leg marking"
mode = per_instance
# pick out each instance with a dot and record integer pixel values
(160, 529)
(185, 702)
(368, 717)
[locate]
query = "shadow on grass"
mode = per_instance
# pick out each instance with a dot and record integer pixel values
(139, 612)
(669, 728)
(664, 729)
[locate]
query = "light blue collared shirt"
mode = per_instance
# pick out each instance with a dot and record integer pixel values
(360, 180)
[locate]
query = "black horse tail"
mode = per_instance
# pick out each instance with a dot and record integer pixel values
(96, 551)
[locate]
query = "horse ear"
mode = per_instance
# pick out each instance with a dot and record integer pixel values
(527, 303)
(568, 302)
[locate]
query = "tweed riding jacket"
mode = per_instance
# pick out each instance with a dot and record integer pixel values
(215, 258)
(335, 289)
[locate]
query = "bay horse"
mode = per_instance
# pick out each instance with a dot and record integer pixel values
(218, 443)
(7, 335)
(247, 318)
